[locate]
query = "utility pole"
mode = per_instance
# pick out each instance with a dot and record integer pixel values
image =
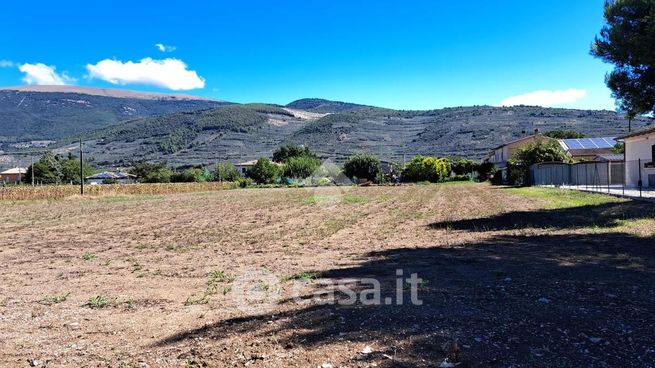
(81, 169)
(32, 168)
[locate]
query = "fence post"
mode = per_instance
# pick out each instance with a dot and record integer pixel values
(609, 171)
(623, 174)
(640, 182)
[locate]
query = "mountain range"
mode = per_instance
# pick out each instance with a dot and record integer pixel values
(119, 127)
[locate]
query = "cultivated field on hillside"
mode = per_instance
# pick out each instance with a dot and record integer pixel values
(510, 277)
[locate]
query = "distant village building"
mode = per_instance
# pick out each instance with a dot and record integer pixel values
(640, 158)
(108, 177)
(13, 176)
(244, 166)
(500, 155)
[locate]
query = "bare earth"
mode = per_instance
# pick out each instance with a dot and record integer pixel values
(507, 282)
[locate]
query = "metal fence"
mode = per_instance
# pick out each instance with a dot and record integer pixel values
(629, 178)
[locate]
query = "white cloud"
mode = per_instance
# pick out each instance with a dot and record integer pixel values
(42, 74)
(545, 98)
(167, 73)
(6, 63)
(165, 48)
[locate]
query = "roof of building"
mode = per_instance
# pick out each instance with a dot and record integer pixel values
(14, 170)
(588, 143)
(111, 175)
(610, 157)
(247, 163)
(648, 130)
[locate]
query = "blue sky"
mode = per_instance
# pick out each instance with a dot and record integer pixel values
(399, 54)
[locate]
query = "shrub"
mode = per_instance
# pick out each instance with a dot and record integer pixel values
(460, 178)
(531, 154)
(288, 151)
(485, 171)
(462, 166)
(193, 175)
(362, 166)
(538, 152)
(225, 171)
(426, 168)
(264, 171)
(300, 166)
(147, 172)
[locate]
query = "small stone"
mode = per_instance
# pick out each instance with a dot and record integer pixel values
(326, 365)
(543, 300)
(595, 340)
(446, 364)
(367, 350)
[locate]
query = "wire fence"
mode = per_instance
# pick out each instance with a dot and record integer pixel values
(627, 178)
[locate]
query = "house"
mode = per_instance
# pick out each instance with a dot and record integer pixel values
(244, 166)
(108, 177)
(585, 149)
(14, 175)
(501, 154)
(640, 158)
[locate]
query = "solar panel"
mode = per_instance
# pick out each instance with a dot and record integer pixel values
(587, 143)
(600, 142)
(590, 143)
(572, 143)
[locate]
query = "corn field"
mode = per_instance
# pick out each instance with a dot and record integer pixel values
(25, 192)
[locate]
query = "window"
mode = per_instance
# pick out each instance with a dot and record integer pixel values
(652, 154)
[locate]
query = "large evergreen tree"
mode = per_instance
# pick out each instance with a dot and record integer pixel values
(627, 40)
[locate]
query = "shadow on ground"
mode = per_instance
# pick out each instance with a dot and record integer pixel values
(604, 215)
(530, 301)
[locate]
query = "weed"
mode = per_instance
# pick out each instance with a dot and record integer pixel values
(54, 299)
(98, 301)
(303, 276)
(88, 256)
(263, 285)
(197, 299)
(136, 266)
(220, 276)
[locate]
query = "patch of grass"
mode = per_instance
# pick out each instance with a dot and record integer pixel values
(564, 198)
(638, 227)
(98, 301)
(55, 299)
(352, 199)
(303, 276)
(263, 285)
(197, 299)
(215, 279)
(220, 276)
(88, 256)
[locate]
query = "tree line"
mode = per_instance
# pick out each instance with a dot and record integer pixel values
(290, 164)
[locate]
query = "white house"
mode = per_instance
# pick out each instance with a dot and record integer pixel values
(110, 177)
(242, 167)
(14, 175)
(640, 158)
